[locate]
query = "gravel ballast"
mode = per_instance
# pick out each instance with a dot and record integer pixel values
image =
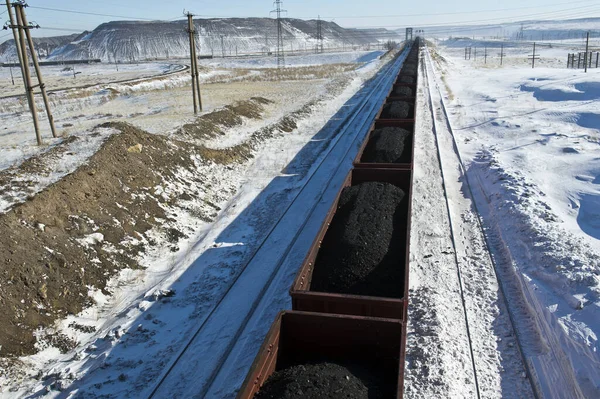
(387, 145)
(396, 110)
(364, 248)
(325, 380)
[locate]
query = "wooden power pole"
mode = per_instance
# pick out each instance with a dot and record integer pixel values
(21, 33)
(194, 64)
(587, 49)
(534, 57)
(27, 30)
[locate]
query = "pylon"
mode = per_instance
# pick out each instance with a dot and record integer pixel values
(280, 49)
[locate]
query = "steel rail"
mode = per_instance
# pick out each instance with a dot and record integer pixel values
(384, 80)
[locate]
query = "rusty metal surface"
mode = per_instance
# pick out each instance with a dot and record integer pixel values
(306, 300)
(302, 337)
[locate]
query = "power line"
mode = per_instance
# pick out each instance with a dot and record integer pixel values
(64, 29)
(314, 17)
(504, 19)
(92, 13)
(457, 12)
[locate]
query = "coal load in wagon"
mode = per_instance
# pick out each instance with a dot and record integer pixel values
(406, 79)
(326, 380)
(364, 248)
(403, 91)
(387, 145)
(396, 110)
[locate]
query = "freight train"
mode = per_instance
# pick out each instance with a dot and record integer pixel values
(346, 332)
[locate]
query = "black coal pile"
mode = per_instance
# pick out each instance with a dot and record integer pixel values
(364, 248)
(403, 91)
(406, 79)
(387, 145)
(396, 110)
(326, 380)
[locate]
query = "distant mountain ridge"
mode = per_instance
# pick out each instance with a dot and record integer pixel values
(44, 46)
(139, 40)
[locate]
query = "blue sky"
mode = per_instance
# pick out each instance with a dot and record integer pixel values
(347, 13)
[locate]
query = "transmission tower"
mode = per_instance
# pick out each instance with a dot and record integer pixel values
(319, 35)
(280, 49)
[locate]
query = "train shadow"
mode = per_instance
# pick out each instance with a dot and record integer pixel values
(136, 354)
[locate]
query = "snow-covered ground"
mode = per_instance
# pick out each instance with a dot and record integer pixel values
(294, 60)
(128, 337)
(65, 76)
(529, 139)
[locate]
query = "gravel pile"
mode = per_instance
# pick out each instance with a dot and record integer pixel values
(387, 145)
(404, 91)
(364, 248)
(325, 380)
(396, 110)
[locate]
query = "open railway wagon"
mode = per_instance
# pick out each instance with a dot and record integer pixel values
(347, 331)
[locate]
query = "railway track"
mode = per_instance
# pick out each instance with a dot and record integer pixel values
(184, 68)
(214, 360)
(452, 168)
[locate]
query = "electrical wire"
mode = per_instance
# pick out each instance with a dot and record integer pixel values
(555, 14)
(456, 12)
(92, 13)
(63, 29)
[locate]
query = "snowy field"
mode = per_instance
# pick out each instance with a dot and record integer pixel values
(295, 60)
(529, 139)
(66, 76)
(126, 338)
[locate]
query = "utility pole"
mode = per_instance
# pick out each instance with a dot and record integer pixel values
(23, 28)
(12, 78)
(475, 55)
(501, 53)
(267, 41)
(280, 49)
(27, 31)
(222, 47)
(533, 57)
(485, 55)
(194, 64)
(587, 48)
(319, 35)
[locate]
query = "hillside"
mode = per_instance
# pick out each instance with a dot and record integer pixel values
(130, 41)
(44, 45)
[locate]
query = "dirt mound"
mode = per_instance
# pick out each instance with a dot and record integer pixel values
(363, 250)
(74, 234)
(215, 123)
(396, 110)
(404, 91)
(387, 145)
(325, 380)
